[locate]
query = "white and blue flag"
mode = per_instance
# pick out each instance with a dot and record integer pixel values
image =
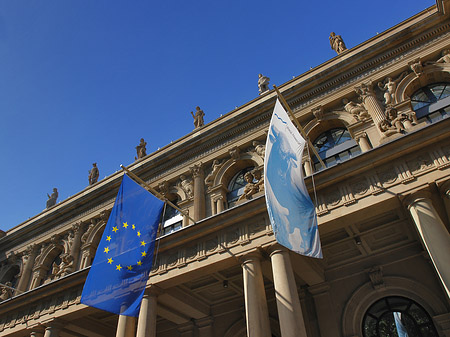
(291, 211)
(401, 329)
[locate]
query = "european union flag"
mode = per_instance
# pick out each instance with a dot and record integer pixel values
(291, 211)
(119, 273)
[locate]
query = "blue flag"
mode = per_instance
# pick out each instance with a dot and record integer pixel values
(119, 273)
(291, 211)
(401, 329)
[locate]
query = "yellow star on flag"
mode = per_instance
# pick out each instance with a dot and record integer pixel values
(110, 260)
(143, 243)
(106, 250)
(125, 225)
(118, 267)
(130, 267)
(144, 254)
(139, 263)
(138, 233)
(108, 238)
(133, 226)
(115, 229)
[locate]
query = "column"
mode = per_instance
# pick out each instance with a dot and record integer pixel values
(199, 191)
(257, 314)
(371, 104)
(433, 233)
(363, 142)
(126, 326)
(204, 326)
(147, 315)
(445, 190)
(307, 166)
(219, 205)
(37, 331)
(28, 262)
(288, 304)
(328, 324)
(53, 329)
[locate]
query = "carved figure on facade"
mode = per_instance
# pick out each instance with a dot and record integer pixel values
(93, 174)
(250, 188)
(318, 112)
(396, 120)
(141, 149)
(416, 66)
(258, 177)
(187, 186)
(86, 234)
(260, 148)
(263, 83)
(198, 117)
(389, 86)
(337, 43)
(235, 153)
(356, 109)
(52, 198)
(66, 265)
(6, 291)
(164, 188)
(445, 58)
(216, 165)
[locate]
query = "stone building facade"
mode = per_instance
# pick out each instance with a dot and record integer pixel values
(378, 115)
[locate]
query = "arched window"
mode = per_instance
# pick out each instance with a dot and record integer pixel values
(236, 186)
(432, 102)
(334, 146)
(172, 220)
(397, 317)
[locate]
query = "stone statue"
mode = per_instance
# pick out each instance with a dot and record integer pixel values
(66, 265)
(337, 44)
(389, 86)
(52, 198)
(416, 67)
(445, 58)
(260, 148)
(260, 181)
(263, 84)
(6, 292)
(93, 174)
(385, 125)
(356, 109)
(250, 188)
(216, 165)
(395, 119)
(198, 117)
(186, 186)
(141, 149)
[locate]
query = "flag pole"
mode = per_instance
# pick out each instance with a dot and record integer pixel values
(299, 127)
(155, 192)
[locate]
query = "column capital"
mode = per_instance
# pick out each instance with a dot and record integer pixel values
(153, 290)
(277, 249)
(444, 188)
(414, 197)
(197, 170)
(251, 256)
(364, 89)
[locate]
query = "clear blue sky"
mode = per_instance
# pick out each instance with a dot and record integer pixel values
(82, 81)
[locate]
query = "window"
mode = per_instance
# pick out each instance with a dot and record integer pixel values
(397, 317)
(432, 102)
(236, 186)
(172, 220)
(334, 146)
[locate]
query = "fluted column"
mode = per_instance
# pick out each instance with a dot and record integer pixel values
(365, 91)
(220, 205)
(433, 233)
(363, 142)
(328, 323)
(257, 314)
(126, 326)
(288, 304)
(147, 315)
(28, 262)
(199, 191)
